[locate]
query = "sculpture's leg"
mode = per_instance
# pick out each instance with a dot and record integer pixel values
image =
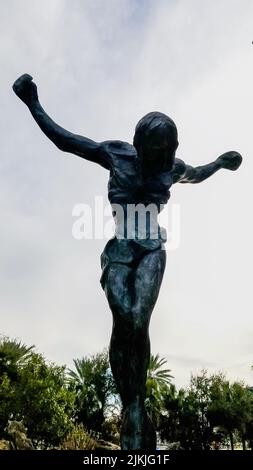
(132, 294)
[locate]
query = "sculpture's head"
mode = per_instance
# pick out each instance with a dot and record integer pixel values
(156, 141)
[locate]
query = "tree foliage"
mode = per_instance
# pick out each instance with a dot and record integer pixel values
(157, 386)
(212, 412)
(35, 393)
(95, 390)
(42, 406)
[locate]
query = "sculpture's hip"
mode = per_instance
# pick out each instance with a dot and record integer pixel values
(127, 252)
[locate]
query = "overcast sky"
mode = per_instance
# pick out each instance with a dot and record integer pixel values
(100, 66)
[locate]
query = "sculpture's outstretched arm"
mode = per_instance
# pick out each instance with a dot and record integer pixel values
(188, 174)
(26, 90)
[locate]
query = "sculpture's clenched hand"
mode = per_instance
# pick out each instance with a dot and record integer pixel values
(25, 89)
(230, 160)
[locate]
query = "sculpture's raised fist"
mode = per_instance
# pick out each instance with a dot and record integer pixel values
(230, 160)
(25, 89)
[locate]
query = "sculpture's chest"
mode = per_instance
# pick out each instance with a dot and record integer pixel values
(127, 185)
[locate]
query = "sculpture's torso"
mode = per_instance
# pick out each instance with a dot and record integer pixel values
(127, 187)
(126, 184)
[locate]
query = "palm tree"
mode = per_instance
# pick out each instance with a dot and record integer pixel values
(94, 385)
(13, 354)
(156, 373)
(157, 386)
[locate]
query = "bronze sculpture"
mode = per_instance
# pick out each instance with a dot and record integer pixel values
(132, 267)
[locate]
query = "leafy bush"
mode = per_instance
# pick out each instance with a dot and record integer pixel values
(78, 439)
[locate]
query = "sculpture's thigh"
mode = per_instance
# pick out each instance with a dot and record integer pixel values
(117, 289)
(132, 292)
(147, 283)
